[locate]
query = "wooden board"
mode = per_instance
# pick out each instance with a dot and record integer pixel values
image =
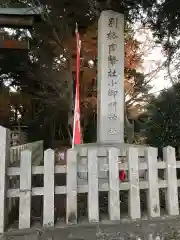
(21, 11)
(16, 21)
(19, 17)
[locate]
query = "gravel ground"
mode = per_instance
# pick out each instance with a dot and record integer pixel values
(158, 229)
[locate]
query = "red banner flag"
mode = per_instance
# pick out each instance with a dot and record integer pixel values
(76, 127)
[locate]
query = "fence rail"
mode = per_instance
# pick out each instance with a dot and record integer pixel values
(130, 159)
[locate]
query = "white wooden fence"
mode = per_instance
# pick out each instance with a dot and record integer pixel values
(91, 156)
(13, 159)
(35, 147)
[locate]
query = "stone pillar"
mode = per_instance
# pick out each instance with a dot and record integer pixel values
(110, 78)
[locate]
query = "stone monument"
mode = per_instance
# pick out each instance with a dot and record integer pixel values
(110, 127)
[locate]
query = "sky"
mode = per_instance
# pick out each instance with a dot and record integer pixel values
(153, 58)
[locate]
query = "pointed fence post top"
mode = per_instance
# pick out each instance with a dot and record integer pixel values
(168, 148)
(4, 135)
(3, 128)
(151, 151)
(72, 150)
(49, 150)
(150, 148)
(132, 148)
(169, 154)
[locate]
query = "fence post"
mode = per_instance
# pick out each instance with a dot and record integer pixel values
(114, 201)
(25, 190)
(93, 194)
(169, 156)
(133, 168)
(4, 158)
(153, 191)
(71, 186)
(48, 217)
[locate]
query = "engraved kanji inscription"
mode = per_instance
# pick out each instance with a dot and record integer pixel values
(112, 47)
(113, 22)
(112, 35)
(112, 83)
(112, 110)
(112, 60)
(112, 105)
(112, 116)
(112, 73)
(112, 131)
(112, 92)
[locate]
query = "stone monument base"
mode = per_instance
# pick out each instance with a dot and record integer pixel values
(97, 144)
(106, 146)
(102, 149)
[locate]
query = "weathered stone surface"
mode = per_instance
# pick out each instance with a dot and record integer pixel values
(111, 77)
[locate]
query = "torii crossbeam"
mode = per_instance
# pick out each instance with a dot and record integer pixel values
(20, 17)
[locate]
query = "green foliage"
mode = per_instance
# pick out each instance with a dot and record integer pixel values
(49, 83)
(163, 119)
